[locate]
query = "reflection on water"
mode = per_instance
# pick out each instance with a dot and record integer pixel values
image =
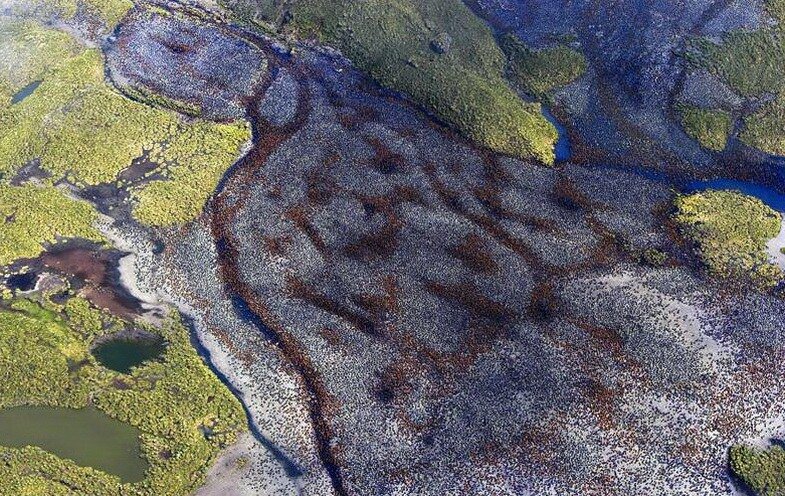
(24, 281)
(87, 436)
(563, 150)
(122, 353)
(769, 196)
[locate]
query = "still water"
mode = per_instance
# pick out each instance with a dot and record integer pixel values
(87, 436)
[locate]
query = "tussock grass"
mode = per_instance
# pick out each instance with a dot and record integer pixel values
(174, 402)
(83, 130)
(753, 64)
(539, 71)
(761, 469)
(393, 40)
(730, 231)
(708, 127)
(31, 216)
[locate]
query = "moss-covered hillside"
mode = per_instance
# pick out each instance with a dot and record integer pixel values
(730, 231)
(442, 56)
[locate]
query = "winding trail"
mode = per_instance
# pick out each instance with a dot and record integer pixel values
(266, 140)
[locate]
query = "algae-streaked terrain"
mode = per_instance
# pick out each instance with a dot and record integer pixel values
(265, 247)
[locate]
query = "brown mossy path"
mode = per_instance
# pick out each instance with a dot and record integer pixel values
(226, 201)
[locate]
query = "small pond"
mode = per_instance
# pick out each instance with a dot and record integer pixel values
(25, 92)
(124, 352)
(87, 436)
(24, 281)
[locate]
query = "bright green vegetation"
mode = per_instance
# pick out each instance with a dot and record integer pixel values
(35, 215)
(753, 64)
(87, 436)
(27, 51)
(199, 155)
(111, 11)
(443, 57)
(184, 413)
(762, 470)
(76, 127)
(106, 12)
(708, 127)
(81, 129)
(539, 71)
(730, 230)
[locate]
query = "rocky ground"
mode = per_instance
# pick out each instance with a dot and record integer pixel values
(624, 109)
(402, 312)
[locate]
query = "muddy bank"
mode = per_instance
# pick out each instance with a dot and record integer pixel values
(91, 269)
(184, 275)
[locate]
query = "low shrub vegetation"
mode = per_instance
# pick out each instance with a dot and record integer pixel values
(82, 130)
(753, 64)
(34, 216)
(538, 72)
(183, 411)
(763, 470)
(105, 13)
(708, 127)
(443, 57)
(730, 231)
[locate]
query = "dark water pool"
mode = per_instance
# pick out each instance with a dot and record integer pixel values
(123, 353)
(87, 436)
(24, 281)
(25, 92)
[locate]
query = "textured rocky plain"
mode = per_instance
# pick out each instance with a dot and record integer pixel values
(401, 311)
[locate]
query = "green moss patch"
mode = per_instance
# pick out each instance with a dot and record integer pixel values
(763, 470)
(538, 72)
(442, 56)
(765, 129)
(753, 64)
(82, 130)
(27, 51)
(708, 127)
(750, 61)
(105, 13)
(31, 216)
(730, 231)
(198, 157)
(184, 413)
